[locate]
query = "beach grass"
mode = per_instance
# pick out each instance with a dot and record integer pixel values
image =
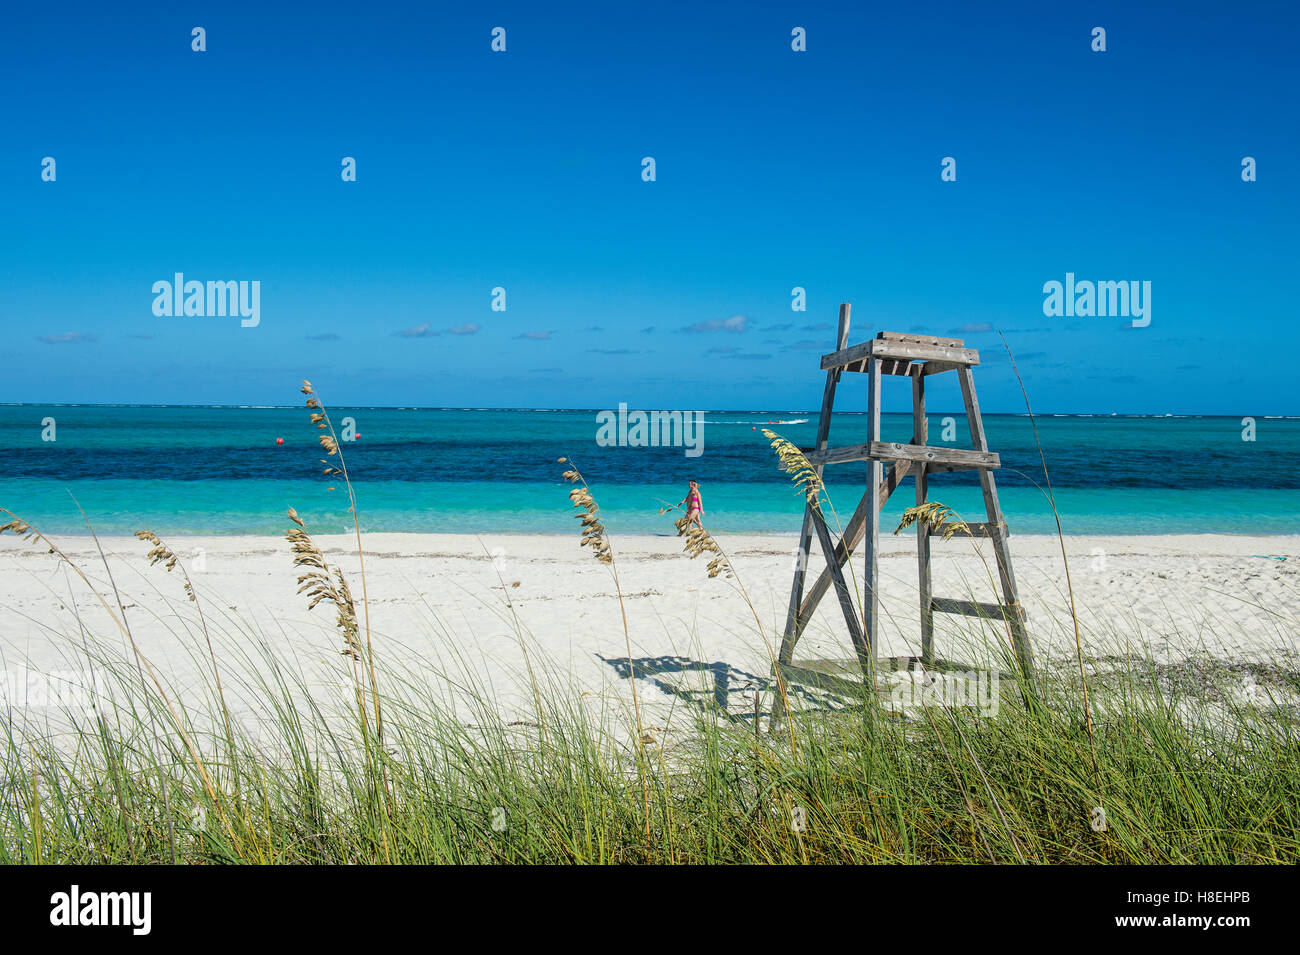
(1185, 772)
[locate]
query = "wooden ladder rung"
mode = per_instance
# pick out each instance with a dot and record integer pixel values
(973, 530)
(890, 451)
(807, 676)
(937, 665)
(975, 608)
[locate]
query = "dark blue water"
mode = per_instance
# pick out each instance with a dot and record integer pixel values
(219, 470)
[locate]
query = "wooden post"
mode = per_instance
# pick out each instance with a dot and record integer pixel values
(860, 646)
(793, 624)
(987, 485)
(997, 526)
(870, 599)
(921, 435)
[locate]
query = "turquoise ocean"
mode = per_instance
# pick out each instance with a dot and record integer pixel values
(219, 470)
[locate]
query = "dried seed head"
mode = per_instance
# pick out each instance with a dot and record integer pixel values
(801, 471)
(935, 515)
(162, 554)
(593, 531)
(699, 541)
(319, 585)
(16, 526)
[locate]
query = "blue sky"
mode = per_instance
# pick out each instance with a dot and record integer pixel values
(522, 169)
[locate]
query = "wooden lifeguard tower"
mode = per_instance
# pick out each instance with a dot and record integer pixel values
(916, 357)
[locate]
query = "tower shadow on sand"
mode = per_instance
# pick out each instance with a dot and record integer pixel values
(720, 688)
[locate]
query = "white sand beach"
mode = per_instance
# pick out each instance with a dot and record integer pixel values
(440, 604)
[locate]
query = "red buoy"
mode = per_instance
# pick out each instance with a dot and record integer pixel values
(279, 440)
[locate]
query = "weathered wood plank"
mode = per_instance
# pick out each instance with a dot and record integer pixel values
(889, 451)
(920, 339)
(976, 608)
(805, 676)
(931, 455)
(940, 665)
(975, 530)
(860, 645)
(881, 348)
(871, 528)
(935, 467)
(1001, 549)
(921, 434)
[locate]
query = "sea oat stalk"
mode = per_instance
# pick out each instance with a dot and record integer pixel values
(330, 444)
(593, 536)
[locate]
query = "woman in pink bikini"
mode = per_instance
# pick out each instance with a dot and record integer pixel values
(694, 506)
